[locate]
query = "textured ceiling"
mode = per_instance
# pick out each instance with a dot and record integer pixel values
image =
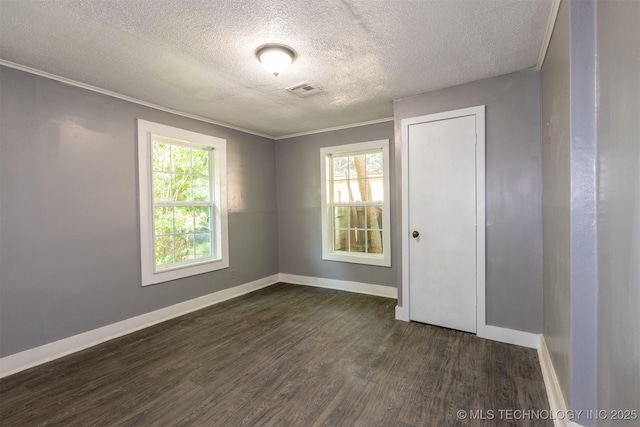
(198, 56)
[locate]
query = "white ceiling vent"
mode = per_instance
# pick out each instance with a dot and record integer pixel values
(303, 89)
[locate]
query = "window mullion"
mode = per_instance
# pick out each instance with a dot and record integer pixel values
(331, 178)
(213, 200)
(170, 171)
(357, 204)
(182, 204)
(366, 230)
(348, 248)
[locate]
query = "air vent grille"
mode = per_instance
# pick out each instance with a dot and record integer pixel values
(303, 89)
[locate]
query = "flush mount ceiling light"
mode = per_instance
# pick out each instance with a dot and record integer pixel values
(276, 58)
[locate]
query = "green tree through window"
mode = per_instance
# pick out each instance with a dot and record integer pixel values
(182, 186)
(181, 209)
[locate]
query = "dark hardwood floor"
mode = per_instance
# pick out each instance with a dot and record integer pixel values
(285, 355)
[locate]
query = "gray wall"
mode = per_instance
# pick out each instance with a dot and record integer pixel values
(556, 192)
(300, 230)
(569, 204)
(618, 48)
(513, 188)
(592, 292)
(584, 283)
(69, 231)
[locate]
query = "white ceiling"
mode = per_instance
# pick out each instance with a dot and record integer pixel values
(198, 56)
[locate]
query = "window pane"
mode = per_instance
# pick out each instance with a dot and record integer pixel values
(361, 166)
(374, 164)
(374, 217)
(352, 168)
(200, 188)
(340, 167)
(181, 188)
(357, 167)
(357, 242)
(163, 220)
(184, 247)
(164, 250)
(365, 189)
(201, 218)
(356, 185)
(161, 187)
(341, 240)
(374, 242)
(340, 191)
(161, 157)
(203, 245)
(180, 159)
(183, 219)
(341, 217)
(376, 188)
(357, 217)
(200, 162)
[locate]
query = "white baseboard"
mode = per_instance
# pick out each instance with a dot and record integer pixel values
(39, 355)
(509, 336)
(494, 333)
(342, 285)
(557, 404)
(402, 313)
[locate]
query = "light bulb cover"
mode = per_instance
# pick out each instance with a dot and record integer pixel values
(275, 58)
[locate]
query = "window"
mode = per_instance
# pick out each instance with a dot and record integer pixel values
(355, 203)
(183, 213)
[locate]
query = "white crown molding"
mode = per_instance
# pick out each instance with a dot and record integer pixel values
(551, 22)
(126, 98)
(177, 112)
(342, 285)
(353, 125)
(45, 353)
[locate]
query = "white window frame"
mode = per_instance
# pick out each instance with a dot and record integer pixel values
(328, 253)
(219, 221)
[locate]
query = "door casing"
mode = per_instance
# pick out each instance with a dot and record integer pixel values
(402, 310)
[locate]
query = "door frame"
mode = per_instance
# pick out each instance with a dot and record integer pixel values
(402, 311)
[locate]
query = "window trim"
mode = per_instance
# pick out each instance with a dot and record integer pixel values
(327, 229)
(220, 240)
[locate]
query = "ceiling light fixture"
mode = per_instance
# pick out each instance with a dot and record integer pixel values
(276, 58)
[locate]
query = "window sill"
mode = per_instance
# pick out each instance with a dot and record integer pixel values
(368, 259)
(183, 271)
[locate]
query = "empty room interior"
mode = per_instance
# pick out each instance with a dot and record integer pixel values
(331, 212)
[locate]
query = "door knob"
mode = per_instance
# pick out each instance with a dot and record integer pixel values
(415, 234)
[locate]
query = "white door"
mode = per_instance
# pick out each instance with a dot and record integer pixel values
(442, 222)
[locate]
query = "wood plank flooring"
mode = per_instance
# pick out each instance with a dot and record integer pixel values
(285, 355)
